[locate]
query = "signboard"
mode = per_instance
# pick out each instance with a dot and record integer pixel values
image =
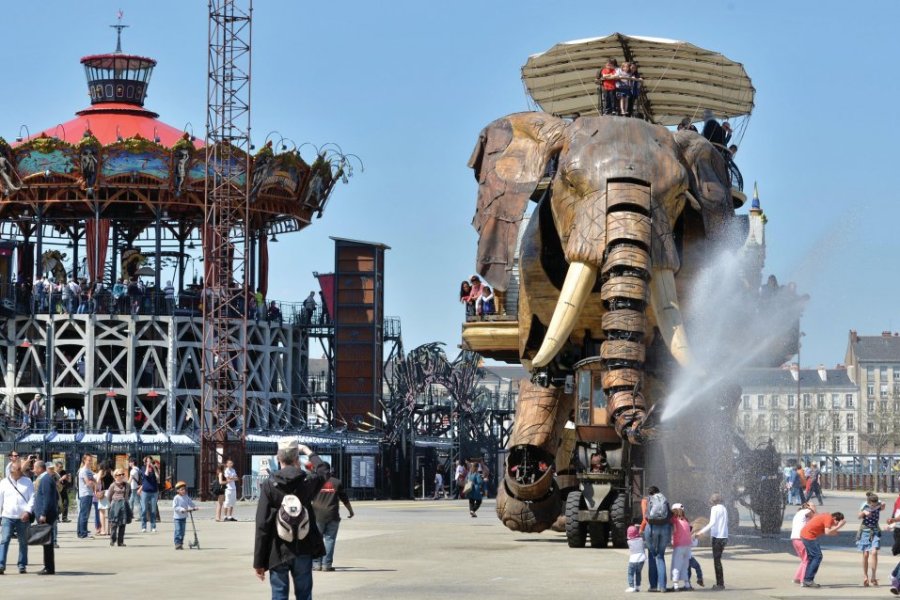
(362, 471)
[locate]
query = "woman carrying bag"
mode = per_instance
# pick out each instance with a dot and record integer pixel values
(117, 495)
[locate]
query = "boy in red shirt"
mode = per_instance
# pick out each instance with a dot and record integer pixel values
(607, 82)
(819, 525)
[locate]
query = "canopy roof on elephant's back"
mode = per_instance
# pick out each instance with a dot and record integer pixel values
(680, 79)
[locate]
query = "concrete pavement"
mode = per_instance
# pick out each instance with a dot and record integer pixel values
(400, 550)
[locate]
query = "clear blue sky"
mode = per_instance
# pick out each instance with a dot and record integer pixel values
(407, 86)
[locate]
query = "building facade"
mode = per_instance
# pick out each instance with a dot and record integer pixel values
(873, 363)
(807, 412)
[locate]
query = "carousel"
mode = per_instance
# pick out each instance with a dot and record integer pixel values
(101, 241)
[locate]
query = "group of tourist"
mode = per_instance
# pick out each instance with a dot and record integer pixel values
(620, 87)
(477, 297)
(802, 483)
(663, 524)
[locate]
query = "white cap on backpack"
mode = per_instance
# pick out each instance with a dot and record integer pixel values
(292, 521)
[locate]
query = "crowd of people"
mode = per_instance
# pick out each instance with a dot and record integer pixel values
(663, 524)
(477, 297)
(620, 87)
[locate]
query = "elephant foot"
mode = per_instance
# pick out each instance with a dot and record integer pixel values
(528, 516)
(559, 525)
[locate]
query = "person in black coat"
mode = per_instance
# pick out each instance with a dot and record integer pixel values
(46, 510)
(285, 560)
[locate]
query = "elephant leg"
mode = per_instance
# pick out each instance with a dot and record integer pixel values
(566, 473)
(529, 497)
(624, 291)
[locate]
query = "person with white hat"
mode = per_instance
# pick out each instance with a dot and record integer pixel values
(287, 537)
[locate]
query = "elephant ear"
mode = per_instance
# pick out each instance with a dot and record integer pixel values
(509, 161)
(709, 182)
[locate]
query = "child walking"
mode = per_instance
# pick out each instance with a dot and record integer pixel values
(181, 505)
(681, 547)
(636, 558)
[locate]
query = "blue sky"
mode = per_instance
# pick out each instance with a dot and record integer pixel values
(407, 86)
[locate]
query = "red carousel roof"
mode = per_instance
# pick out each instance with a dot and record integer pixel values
(110, 121)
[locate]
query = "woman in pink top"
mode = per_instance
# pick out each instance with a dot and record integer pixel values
(681, 546)
(804, 514)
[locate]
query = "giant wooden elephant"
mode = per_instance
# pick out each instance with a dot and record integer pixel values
(632, 210)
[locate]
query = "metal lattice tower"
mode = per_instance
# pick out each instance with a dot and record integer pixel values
(225, 242)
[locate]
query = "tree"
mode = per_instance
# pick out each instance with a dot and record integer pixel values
(880, 434)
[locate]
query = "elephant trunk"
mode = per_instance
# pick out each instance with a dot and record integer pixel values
(624, 292)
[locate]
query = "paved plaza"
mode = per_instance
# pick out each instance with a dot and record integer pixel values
(398, 550)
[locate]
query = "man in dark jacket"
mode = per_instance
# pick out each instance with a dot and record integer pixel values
(271, 553)
(46, 510)
(328, 517)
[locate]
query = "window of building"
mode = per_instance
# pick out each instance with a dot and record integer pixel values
(896, 369)
(776, 423)
(760, 402)
(807, 400)
(897, 389)
(836, 422)
(870, 373)
(870, 390)
(820, 400)
(790, 400)
(835, 401)
(870, 406)
(790, 422)
(884, 390)
(746, 422)
(760, 422)
(807, 421)
(851, 444)
(821, 421)
(870, 427)
(773, 401)
(807, 443)
(848, 400)
(897, 406)
(850, 423)
(836, 444)
(882, 372)
(883, 406)
(745, 402)
(823, 444)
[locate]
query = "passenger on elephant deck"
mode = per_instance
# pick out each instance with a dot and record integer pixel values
(475, 292)
(485, 305)
(606, 80)
(464, 291)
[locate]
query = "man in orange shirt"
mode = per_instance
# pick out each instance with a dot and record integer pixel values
(819, 525)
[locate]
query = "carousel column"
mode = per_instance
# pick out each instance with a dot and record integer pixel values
(172, 369)
(113, 275)
(39, 243)
(9, 402)
(76, 238)
(90, 363)
(158, 264)
(181, 264)
(130, 382)
(250, 276)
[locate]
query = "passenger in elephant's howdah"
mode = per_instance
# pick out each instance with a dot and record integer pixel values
(485, 305)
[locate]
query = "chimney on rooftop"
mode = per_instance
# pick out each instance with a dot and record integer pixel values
(885, 334)
(840, 367)
(823, 374)
(853, 337)
(795, 371)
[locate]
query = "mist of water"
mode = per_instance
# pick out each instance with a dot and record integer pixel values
(731, 325)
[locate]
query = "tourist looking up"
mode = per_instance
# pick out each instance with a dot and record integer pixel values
(149, 491)
(291, 558)
(636, 558)
(658, 535)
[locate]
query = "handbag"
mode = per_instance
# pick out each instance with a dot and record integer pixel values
(40, 534)
(468, 488)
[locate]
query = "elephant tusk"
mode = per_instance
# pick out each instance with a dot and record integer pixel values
(664, 304)
(580, 280)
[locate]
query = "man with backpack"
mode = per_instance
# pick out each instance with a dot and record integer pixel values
(657, 536)
(287, 537)
(135, 479)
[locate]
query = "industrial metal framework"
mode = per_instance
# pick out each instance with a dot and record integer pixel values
(225, 241)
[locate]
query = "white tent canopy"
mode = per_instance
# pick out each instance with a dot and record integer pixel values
(680, 79)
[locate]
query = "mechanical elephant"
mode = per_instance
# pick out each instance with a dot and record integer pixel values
(631, 209)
